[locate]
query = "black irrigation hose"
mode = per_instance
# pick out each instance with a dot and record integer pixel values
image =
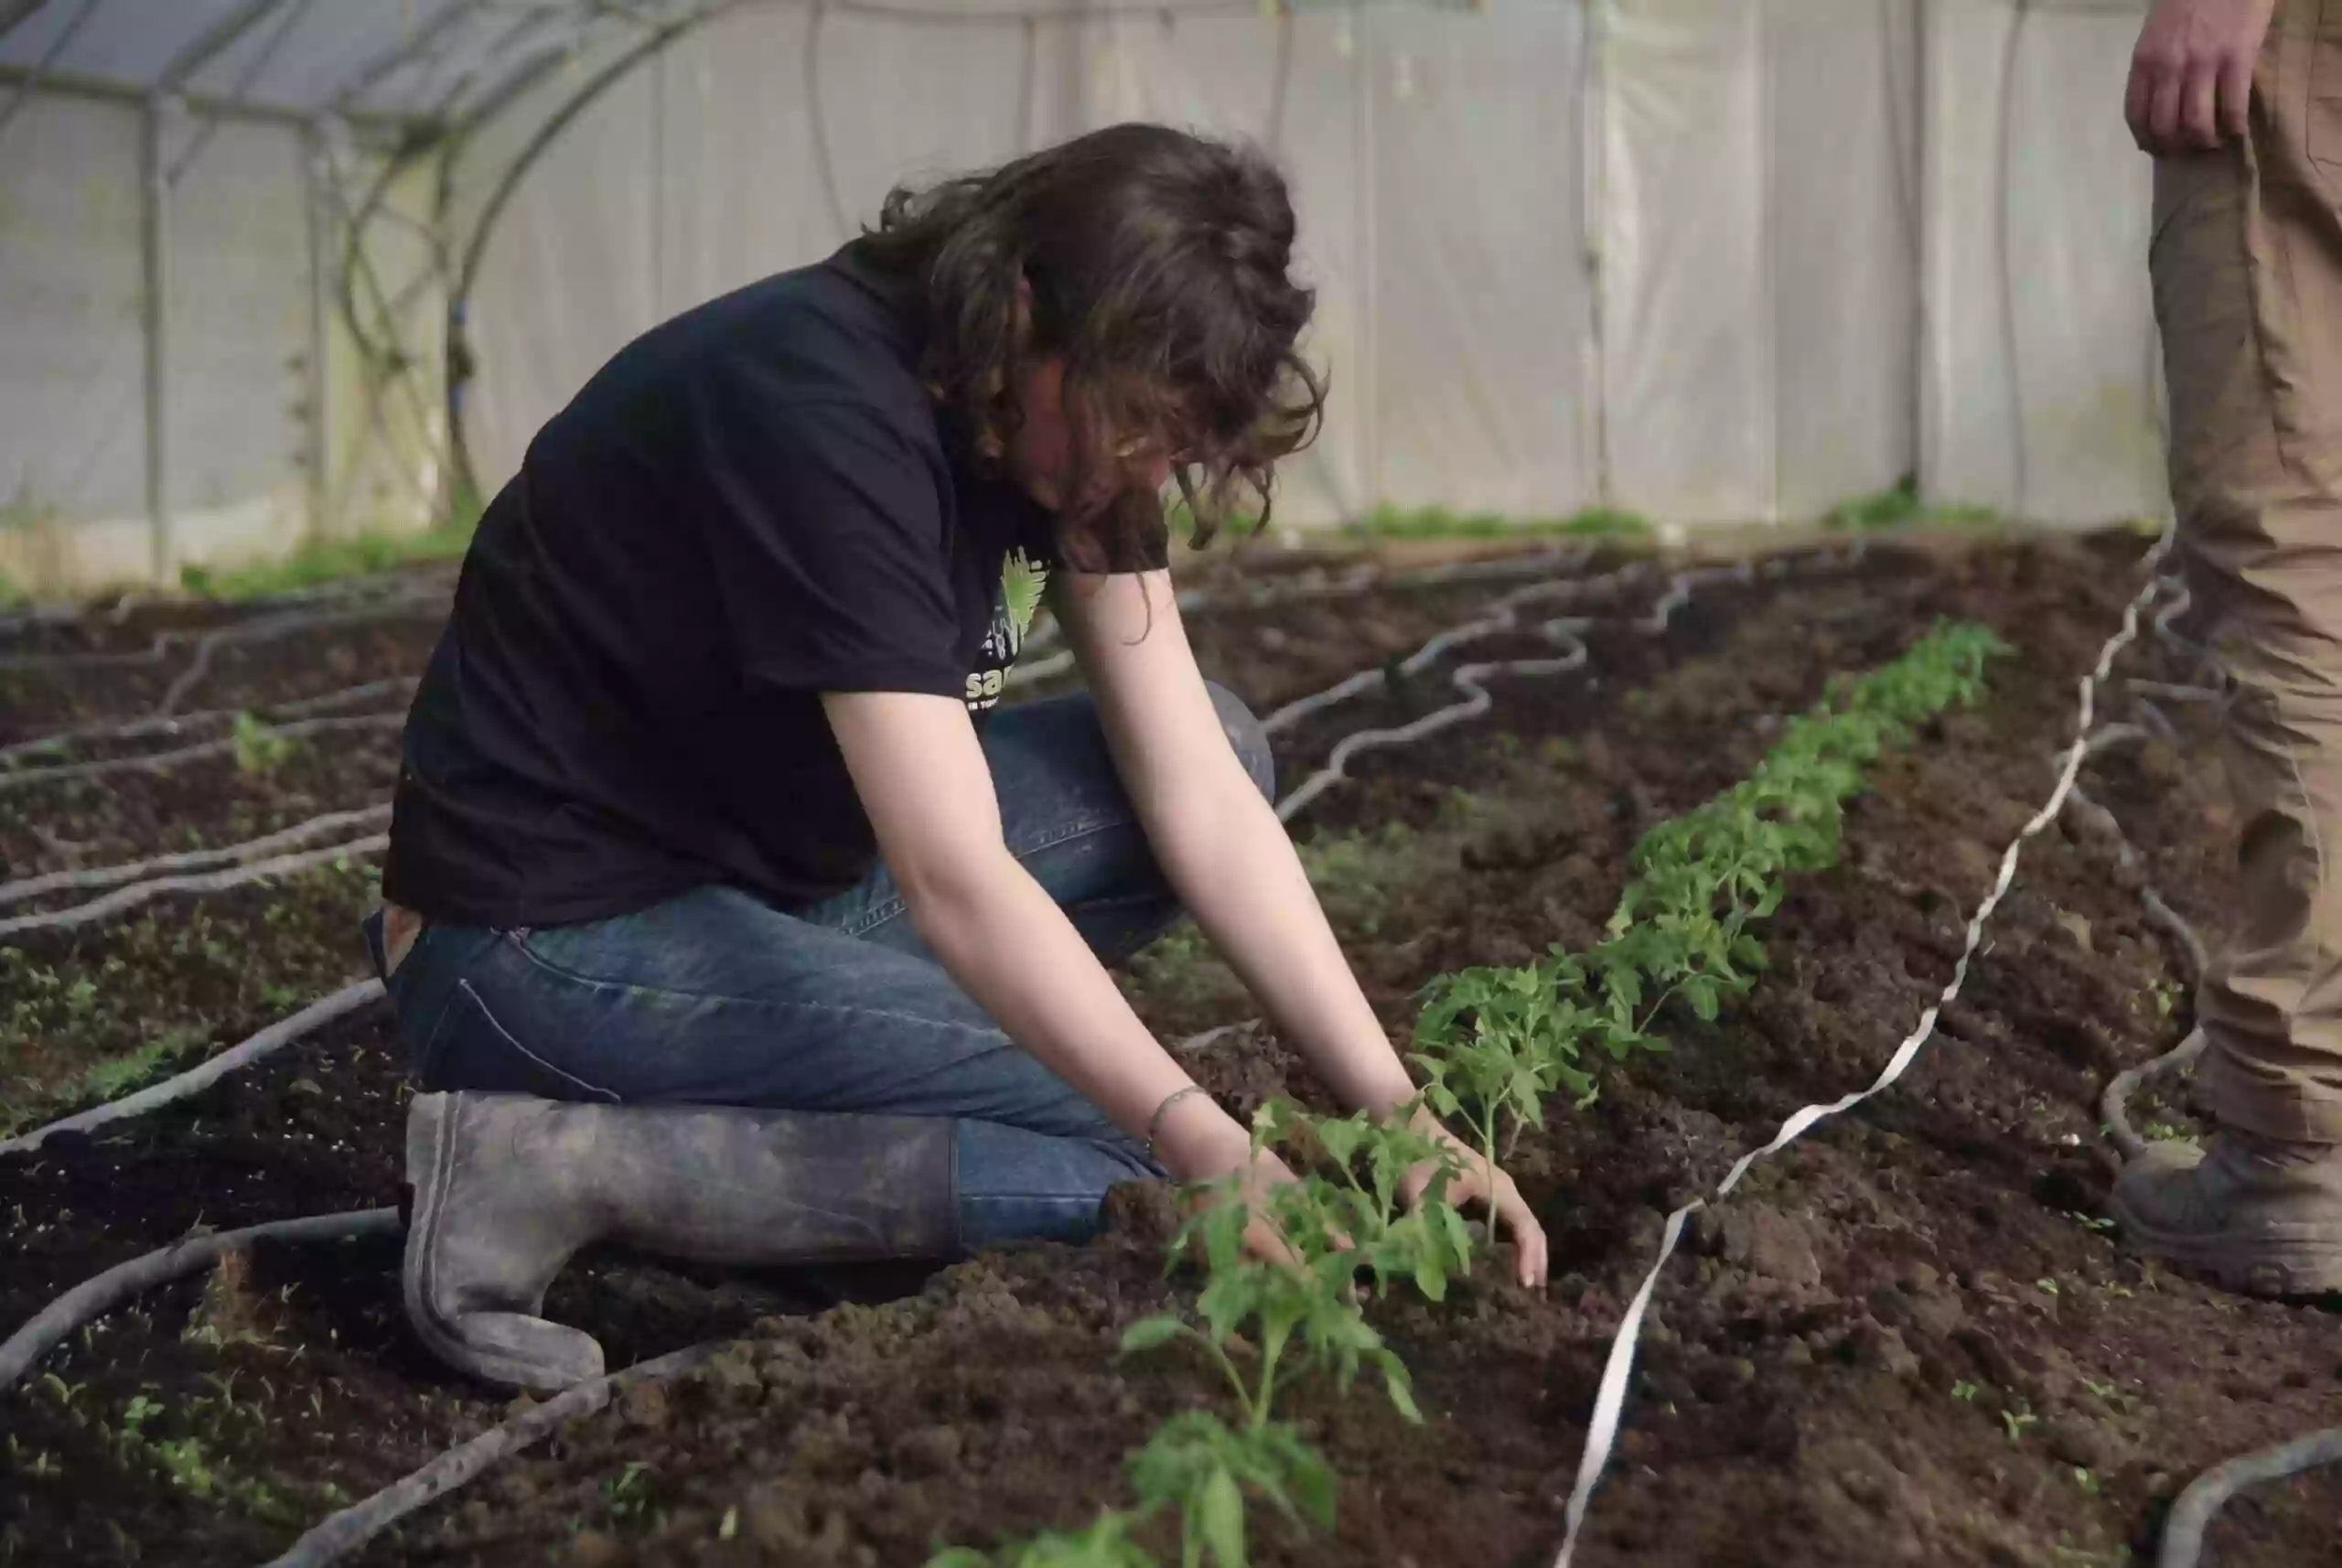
(59, 742)
(245, 854)
(95, 1296)
(282, 1033)
(162, 761)
(340, 1533)
(2191, 1516)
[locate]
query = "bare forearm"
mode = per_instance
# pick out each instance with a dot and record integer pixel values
(1015, 951)
(1239, 876)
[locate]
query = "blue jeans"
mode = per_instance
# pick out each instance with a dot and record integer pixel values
(717, 998)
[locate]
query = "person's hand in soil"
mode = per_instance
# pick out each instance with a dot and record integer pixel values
(1473, 1181)
(1203, 1146)
(1233, 862)
(2191, 74)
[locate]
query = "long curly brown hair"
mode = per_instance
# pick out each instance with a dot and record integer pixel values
(1158, 267)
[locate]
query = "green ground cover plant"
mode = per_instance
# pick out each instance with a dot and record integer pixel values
(328, 560)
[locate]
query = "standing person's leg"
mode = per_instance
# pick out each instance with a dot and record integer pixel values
(755, 1086)
(2247, 262)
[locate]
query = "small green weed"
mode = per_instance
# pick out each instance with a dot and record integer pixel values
(1105, 1544)
(259, 750)
(628, 1493)
(184, 1461)
(328, 560)
(1900, 507)
(117, 1076)
(1438, 522)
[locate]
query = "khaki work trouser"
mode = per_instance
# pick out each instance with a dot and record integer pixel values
(2247, 266)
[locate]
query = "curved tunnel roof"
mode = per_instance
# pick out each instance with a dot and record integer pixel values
(422, 62)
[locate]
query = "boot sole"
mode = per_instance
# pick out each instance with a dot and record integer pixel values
(2282, 1261)
(433, 1175)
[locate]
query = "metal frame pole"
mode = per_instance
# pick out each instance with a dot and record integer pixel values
(319, 229)
(154, 251)
(15, 13)
(1364, 86)
(1593, 158)
(1923, 393)
(1768, 256)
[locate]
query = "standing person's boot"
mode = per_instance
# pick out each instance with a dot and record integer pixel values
(507, 1186)
(2258, 1215)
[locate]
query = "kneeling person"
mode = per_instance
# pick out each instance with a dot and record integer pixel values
(723, 915)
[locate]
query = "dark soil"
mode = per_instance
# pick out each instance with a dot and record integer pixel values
(1905, 1340)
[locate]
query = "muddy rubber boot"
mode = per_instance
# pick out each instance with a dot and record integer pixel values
(506, 1186)
(2261, 1216)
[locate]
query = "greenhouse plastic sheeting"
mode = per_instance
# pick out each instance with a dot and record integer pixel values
(699, 173)
(1437, 170)
(1712, 260)
(2035, 271)
(72, 380)
(72, 444)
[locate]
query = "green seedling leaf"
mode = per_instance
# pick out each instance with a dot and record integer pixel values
(1399, 1386)
(1149, 1333)
(1220, 1518)
(1105, 1544)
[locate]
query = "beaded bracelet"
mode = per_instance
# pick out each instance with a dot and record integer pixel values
(1155, 1122)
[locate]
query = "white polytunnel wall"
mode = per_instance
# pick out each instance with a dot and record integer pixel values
(73, 447)
(2040, 318)
(1403, 132)
(1713, 261)
(240, 346)
(1480, 297)
(1223, 77)
(1841, 247)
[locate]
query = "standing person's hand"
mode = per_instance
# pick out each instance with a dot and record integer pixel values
(2191, 75)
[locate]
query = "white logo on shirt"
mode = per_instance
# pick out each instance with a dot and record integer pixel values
(1021, 582)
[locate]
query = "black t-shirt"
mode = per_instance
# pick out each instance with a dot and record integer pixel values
(753, 504)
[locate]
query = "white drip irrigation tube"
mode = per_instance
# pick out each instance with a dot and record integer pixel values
(137, 892)
(1300, 587)
(1503, 616)
(1356, 580)
(1601, 1436)
(267, 844)
(275, 1038)
(1476, 701)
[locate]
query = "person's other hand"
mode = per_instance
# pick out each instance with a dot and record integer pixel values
(1261, 1238)
(1474, 1180)
(2191, 75)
